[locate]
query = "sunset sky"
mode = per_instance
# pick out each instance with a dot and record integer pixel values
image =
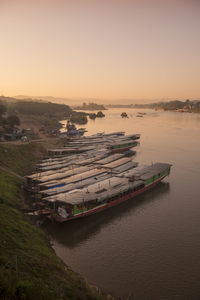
(105, 49)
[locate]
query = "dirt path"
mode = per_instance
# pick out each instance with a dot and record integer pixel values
(48, 141)
(9, 171)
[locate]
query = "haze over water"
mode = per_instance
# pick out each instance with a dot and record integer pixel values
(149, 246)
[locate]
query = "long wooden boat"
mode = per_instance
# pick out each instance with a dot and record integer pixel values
(105, 194)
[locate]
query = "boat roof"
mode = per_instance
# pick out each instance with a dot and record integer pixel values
(98, 191)
(104, 160)
(75, 178)
(121, 171)
(70, 158)
(68, 172)
(72, 149)
(73, 170)
(65, 166)
(76, 185)
(146, 170)
(125, 167)
(110, 186)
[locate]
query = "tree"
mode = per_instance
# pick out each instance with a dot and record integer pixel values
(100, 114)
(13, 120)
(2, 109)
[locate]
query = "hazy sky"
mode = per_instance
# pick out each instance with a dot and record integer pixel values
(100, 49)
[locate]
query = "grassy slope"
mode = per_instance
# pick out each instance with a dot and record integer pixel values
(21, 158)
(29, 269)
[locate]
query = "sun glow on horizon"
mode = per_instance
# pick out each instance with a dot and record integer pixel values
(105, 50)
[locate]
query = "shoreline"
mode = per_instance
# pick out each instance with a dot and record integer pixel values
(30, 245)
(155, 109)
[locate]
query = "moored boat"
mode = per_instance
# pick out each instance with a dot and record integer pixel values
(112, 191)
(120, 147)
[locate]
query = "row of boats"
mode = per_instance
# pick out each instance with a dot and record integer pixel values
(96, 174)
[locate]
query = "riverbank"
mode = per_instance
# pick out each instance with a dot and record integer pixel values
(29, 268)
(31, 120)
(190, 106)
(146, 248)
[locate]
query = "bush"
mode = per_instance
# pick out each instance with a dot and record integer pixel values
(100, 114)
(41, 108)
(79, 119)
(13, 120)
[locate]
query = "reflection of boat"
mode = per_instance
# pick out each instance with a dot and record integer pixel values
(141, 114)
(107, 193)
(73, 233)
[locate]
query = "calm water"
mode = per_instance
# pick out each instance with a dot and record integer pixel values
(148, 247)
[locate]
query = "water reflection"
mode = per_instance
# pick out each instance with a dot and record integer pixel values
(74, 233)
(149, 246)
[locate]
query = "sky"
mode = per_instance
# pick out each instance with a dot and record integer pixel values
(101, 49)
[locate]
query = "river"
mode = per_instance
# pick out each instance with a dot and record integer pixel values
(147, 247)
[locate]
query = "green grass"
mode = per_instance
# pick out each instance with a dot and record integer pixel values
(21, 158)
(29, 269)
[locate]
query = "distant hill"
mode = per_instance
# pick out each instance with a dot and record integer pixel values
(77, 101)
(90, 106)
(46, 99)
(175, 105)
(41, 108)
(59, 100)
